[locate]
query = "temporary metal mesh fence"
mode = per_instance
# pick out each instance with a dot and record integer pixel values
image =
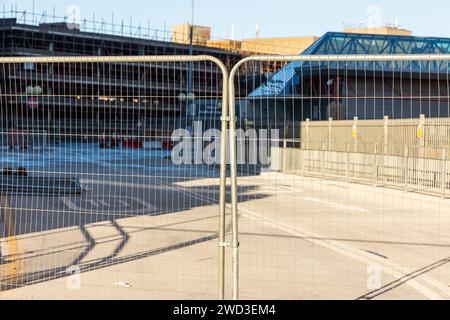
(103, 193)
(342, 177)
(114, 171)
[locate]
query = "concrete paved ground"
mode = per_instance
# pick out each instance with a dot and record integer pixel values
(155, 238)
(329, 240)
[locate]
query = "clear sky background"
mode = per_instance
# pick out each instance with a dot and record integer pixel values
(276, 18)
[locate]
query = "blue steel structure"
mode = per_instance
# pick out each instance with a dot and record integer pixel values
(285, 81)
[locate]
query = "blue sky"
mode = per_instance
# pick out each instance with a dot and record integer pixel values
(276, 18)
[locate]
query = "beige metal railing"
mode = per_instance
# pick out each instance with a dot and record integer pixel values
(390, 135)
(418, 169)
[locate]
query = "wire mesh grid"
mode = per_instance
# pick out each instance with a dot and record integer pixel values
(342, 178)
(110, 177)
(95, 201)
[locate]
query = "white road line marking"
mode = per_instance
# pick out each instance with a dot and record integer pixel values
(336, 205)
(96, 200)
(122, 184)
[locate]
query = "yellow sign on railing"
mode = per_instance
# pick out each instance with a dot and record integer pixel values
(420, 132)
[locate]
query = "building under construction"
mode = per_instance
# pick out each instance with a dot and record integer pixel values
(92, 99)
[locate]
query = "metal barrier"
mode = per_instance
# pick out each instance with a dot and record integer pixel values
(287, 198)
(409, 171)
(390, 136)
(134, 140)
(107, 128)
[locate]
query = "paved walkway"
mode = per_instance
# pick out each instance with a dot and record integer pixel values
(301, 238)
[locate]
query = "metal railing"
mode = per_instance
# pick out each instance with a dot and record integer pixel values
(412, 171)
(390, 135)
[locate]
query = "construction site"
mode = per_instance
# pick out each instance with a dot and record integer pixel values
(130, 156)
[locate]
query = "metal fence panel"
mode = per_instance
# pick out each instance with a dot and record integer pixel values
(104, 193)
(339, 205)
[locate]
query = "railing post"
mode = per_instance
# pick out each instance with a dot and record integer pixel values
(355, 134)
(307, 132)
(284, 155)
(421, 136)
(281, 157)
(375, 164)
(444, 172)
(302, 158)
(323, 160)
(330, 123)
(385, 134)
(347, 163)
(405, 168)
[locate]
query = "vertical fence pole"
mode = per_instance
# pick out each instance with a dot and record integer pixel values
(385, 149)
(385, 134)
(444, 172)
(233, 174)
(405, 168)
(330, 123)
(322, 159)
(375, 164)
(347, 163)
(421, 136)
(223, 185)
(355, 134)
(302, 158)
(307, 132)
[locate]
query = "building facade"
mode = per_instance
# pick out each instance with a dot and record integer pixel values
(344, 90)
(88, 99)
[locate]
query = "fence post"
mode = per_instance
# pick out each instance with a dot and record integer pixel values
(284, 155)
(421, 136)
(385, 149)
(302, 157)
(323, 160)
(355, 134)
(347, 163)
(405, 168)
(375, 164)
(281, 157)
(330, 122)
(444, 172)
(385, 134)
(307, 132)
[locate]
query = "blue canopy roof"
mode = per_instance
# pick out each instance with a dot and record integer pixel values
(339, 43)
